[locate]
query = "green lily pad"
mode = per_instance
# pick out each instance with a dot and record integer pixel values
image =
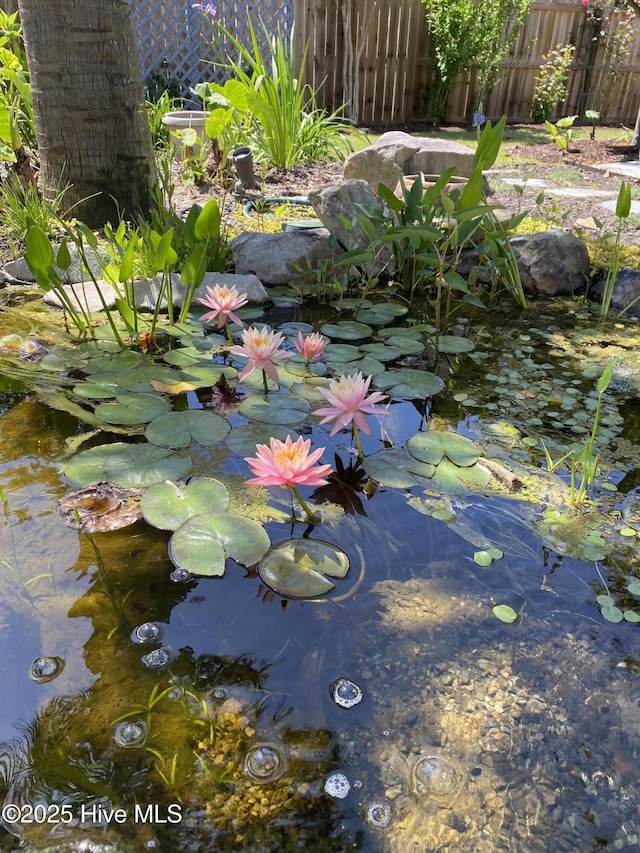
(204, 344)
(631, 616)
(131, 465)
(243, 439)
(634, 586)
(382, 313)
(202, 544)
(93, 391)
(452, 480)
(299, 567)
(187, 357)
(433, 445)
(505, 613)
(287, 409)
(368, 366)
(414, 332)
(396, 468)
(383, 352)
(124, 360)
(406, 345)
(178, 429)
(612, 613)
(454, 345)
(347, 330)
(410, 384)
(482, 558)
(202, 375)
(342, 352)
(139, 380)
(167, 505)
(132, 409)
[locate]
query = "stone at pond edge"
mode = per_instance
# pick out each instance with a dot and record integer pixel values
(625, 290)
(19, 269)
(397, 152)
(277, 258)
(552, 262)
(147, 290)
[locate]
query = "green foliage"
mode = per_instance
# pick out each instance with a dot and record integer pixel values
(156, 109)
(17, 125)
(470, 33)
(551, 85)
(561, 132)
(266, 105)
(21, 207)
(623, 209)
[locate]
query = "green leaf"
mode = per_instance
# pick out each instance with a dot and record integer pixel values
(433, 445)
(299, 567)
(167, 505)
(178, 429)
(195, 267)
(453, 345)
(63, 258)
(348, 330)
(243, 439)
(396, 468)
(607, 374)
(207, 224)
(409, 383)
(164, 255)
(505, 613)
(203, 542)
(612, 613)
(482, 558)
(132, 409)
(132, 465)
(623, 204)
(39, 253)
(287, 409)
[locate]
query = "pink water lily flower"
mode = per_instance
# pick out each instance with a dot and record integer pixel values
(350, 405)
(312, 346)
(223, 301)
(289, 464)
(262, 349)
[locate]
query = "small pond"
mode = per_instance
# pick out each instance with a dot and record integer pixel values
(471, 682)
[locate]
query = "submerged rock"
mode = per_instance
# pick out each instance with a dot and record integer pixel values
(626, 291)
(552, 262)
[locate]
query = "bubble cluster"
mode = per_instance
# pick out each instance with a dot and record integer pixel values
(346, 693)
(336, 785)
(148, 632)
(158, 659)
(265, 762)
(131, 734)
(46, 669)
(435, 777)
(379, 814)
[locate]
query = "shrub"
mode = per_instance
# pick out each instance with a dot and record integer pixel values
(551, 85)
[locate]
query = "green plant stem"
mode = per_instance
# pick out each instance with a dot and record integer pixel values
(265, 382)
(313, 519)
(229, 335)
(356, 439)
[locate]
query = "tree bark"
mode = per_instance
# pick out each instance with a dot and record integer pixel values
(636, 131)
(88, 102)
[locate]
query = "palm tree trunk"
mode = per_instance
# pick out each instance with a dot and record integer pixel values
(88, 103)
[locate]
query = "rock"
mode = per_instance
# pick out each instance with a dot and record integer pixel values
(552, 262)
(397, 153)
(19, 269)
(277, 258)
(147, 291)
(625, 291)
(342, 201)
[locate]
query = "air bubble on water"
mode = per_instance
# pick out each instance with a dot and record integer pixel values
(219, 694)
(358, 783)
(131, 734)
(379, 814)
(148, 632)
(265, 762)
(180, 576)
(46, 669)
(336, 785)
(435, 777)
(346, 693)
(158, 659)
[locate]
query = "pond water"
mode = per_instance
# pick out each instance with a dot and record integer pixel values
(147, 708)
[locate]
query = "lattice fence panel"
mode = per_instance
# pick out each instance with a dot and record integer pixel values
(178, 44)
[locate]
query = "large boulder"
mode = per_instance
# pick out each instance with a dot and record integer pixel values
(397, 153)
(277, 258)
(341, 201)
(18, 270)
(626, 291)
(552, 263)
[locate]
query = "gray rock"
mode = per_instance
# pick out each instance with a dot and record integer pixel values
(147, 291)
(552, 262)
(19, 269)
(342, 201)
(276, 258)
(397, 153)
(625, 291)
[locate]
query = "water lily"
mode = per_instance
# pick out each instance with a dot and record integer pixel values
(223, 301)
(262, 349)
(312, 346)
(289, 464)
(350, 405)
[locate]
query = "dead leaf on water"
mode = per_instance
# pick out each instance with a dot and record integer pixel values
(101, 508)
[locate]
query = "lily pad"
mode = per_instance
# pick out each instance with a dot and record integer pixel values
(454, 345)
(406, 345)
(396, 468)
(167, 505)
(299, 567)
(454, 480)
(93, 391)
(367, 365)
(139, 380)
(202, 544)
(124, 360)
(132, 409)
(505, 613)
(432, 446)
(178, 429)
(243, 439)
(347, 330)
(382, 313)
(382, 351)
(287, 409)
(131, 465)
(342, 352)
(612, 613)
(202, 375)
(482, 558)
(634, 586)
(186, 357)
(410, 384)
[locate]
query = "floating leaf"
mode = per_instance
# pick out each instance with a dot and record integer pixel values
(367, 365)
(381, 314)
(132, 409)
(138, 380)
(178, 429)
(243, 439)
(167, 505)
(203, 375)
(92, 391)
(101, 508)
(287, 409)
(433, 445)
(612, 613)
(347, 330)
(383, 352)
(631, 616)
(634, 586)
(482, 558)
(299, 567)
(406, 345)
(505, 613)
(410, 384)
(496, 553)
(125, 360)
(397, 468)
(202, 544)
(627, 531)
(451, 479)
(454, 345)
(132, 465)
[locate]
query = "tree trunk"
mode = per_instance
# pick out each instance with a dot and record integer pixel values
(88, 103)
(636, 131)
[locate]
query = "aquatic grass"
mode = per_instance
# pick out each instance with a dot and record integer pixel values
(623, 209)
